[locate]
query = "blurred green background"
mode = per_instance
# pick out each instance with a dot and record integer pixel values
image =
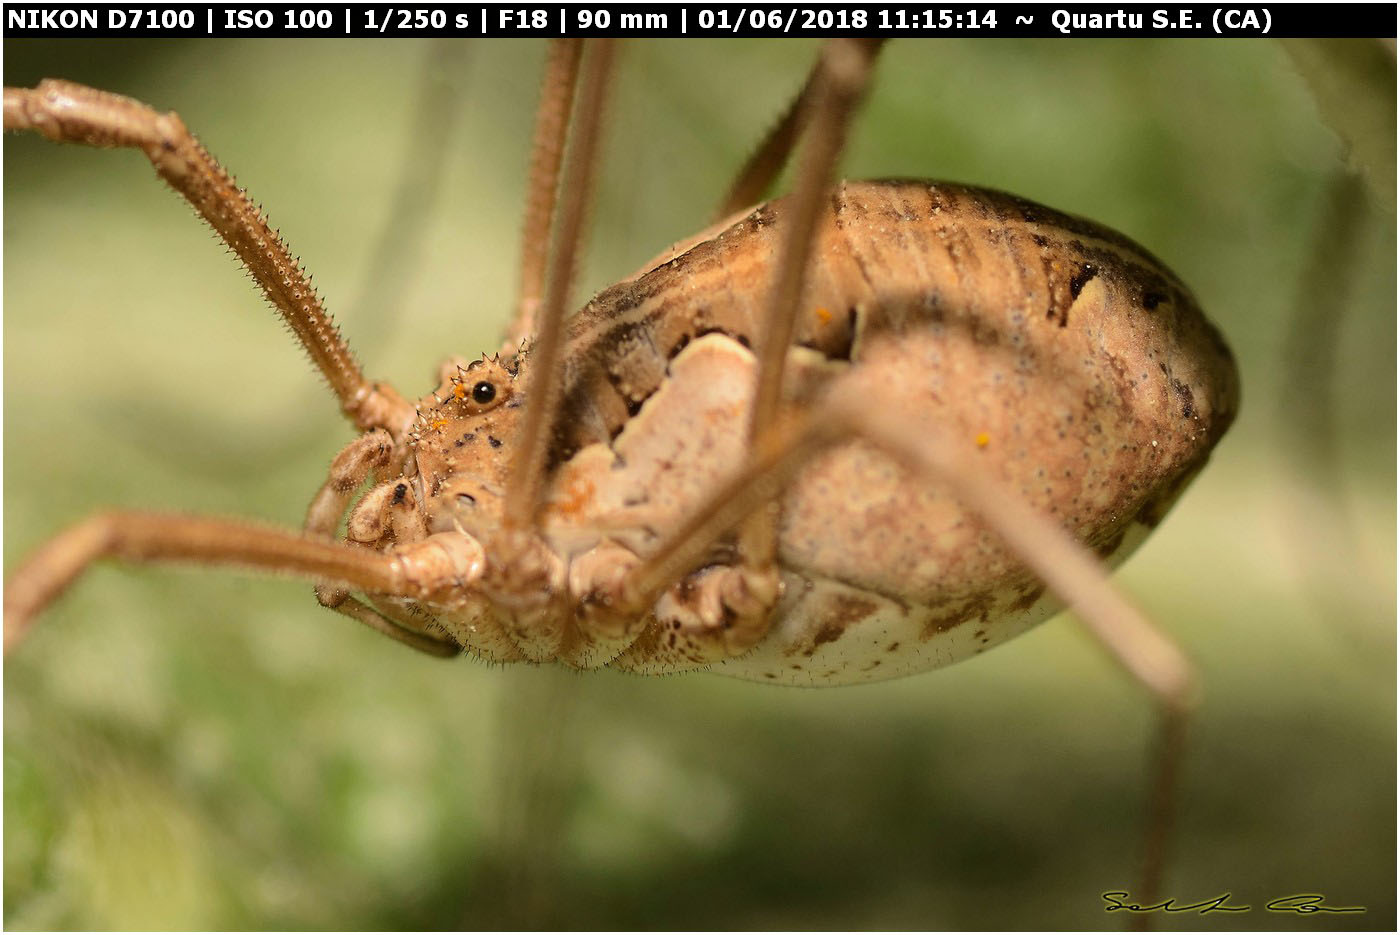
(201, 750)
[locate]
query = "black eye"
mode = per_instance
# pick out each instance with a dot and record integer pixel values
(484, 392)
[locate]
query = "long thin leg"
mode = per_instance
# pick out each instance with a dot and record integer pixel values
(544, 362)
(546, 156)
(71, 113)
(767, 161)
(341, 602)
(426, 570)
(838, 81)
(1069, 569)
(1167, 755)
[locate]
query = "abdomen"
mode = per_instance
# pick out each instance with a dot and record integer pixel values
(1084, 365)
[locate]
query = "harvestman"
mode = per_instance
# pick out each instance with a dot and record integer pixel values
(850, 435)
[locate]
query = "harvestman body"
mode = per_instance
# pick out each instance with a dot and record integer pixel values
(1084, 369)
(902, 395)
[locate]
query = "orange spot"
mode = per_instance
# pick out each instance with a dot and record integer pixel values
(439, 424)
(578, 496)
(823, 315)
(460, 391)
(983, 439)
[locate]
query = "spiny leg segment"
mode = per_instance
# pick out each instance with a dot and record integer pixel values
(72, 113)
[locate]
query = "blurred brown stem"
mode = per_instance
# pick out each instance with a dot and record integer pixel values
(1329, 549)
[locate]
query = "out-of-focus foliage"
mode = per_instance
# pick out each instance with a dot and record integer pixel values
(203, 750)
(1354, 83)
